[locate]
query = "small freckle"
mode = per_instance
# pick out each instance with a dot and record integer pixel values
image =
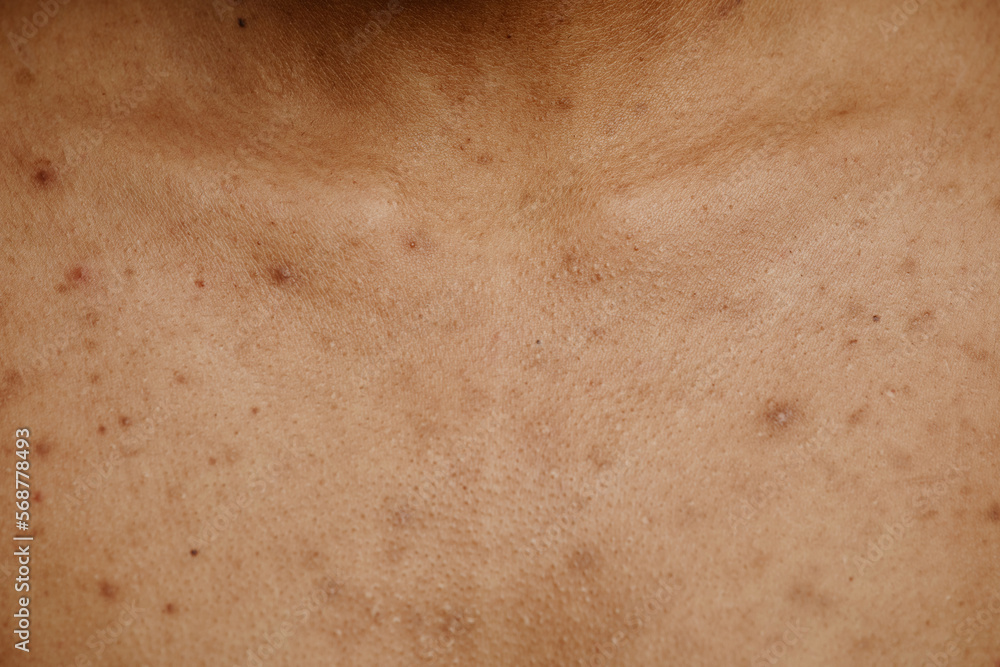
(211, 460)
(38, 496)
(43, 448)
(254, 410)
(199, 283)
(170, 608)
(95, 378)
(124, 421)
(102, 429)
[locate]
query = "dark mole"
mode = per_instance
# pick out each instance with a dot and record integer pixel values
(538, 342)
(124, 421)
(242, 22)
(170, 608)
(102, 429)
(194, 552)
(994, 513)
(875, 318)
(108, 590)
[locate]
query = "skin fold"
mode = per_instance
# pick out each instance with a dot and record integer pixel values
(526, 333)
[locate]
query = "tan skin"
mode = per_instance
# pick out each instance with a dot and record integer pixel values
(543, 333)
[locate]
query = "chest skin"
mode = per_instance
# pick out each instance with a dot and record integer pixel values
(451, 403)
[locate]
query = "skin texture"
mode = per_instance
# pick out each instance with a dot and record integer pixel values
(553, 333)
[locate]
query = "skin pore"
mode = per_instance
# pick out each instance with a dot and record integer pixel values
(528, 333)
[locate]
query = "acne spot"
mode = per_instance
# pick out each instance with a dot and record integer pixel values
(43, 448)
(921, 322)
(779, 415)
(993, 513)
(45, 174)
(107, 590)
(804, 594)
(581, 560)
(38, 496)
(10, 385)
(124, 421)
(170, 608)
(282, 275)
(211, 460)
